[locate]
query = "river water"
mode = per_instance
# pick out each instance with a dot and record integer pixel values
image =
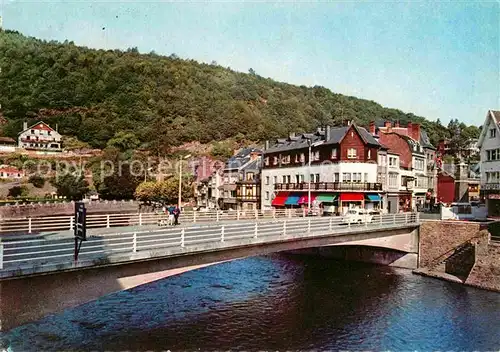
(277, 302)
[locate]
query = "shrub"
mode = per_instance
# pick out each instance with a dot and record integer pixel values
(37, 181)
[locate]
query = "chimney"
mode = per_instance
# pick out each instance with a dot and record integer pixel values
(266, 146)
(415, 131)
(409, 128)
(372, 128)
(25, 126)
(327, 133)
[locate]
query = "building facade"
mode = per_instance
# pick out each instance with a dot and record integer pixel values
(40, 137)
(336, 166)
(489, 144)
(240, 189)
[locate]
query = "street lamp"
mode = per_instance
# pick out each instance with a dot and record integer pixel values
(310, 144)
(180, 178)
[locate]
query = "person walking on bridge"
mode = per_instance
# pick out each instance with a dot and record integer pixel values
(177, 212)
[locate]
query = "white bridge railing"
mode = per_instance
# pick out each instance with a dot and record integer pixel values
(65, 223)
(18, 254)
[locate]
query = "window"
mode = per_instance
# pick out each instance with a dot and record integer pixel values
(267, 180)
(493, 133)
(311, 177)
(284, 179)
(275, 179)
(302, 157)
(250, 176)
(356, 177)
(285, 159)
(32, 131)
(334, 153)
(393, 179)
(297, 158)
(351, 153)
(366, 177)
(492, 177)
(266, 161)
(336, 177)
(48, 132)
(369, 153)
(249, 192)
(302, 178)
(392, 161)
(419, 164)
(267, 195)
(275, 160)
(289, 179)
(316, 155)
(346, 177)
(297, 178)
(317, 178)
(493, 154)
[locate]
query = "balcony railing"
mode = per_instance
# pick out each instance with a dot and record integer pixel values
(491, 186)
(329, 186)
(245, 198)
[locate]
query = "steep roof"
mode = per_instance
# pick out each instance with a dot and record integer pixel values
(301, 141)
(241, 158)
(491, 115)
(253, 165)
(42, 126)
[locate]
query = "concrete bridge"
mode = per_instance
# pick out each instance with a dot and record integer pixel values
(39, 276)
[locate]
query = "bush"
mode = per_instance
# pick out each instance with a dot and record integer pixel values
(37, 181)
(18, 191)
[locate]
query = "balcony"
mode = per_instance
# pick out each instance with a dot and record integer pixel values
(247, 198)
(330, 186)
(491, 186)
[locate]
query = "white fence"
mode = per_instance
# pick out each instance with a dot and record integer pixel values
(18, 254)
(65, 223)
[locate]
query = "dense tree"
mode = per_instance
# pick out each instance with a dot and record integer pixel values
(18, 191)
(72, 186)
(37, 181)
(166, 192)
(101, 96)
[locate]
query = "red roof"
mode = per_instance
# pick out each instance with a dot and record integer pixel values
(397, 144)
(41, 126)
(10, 169)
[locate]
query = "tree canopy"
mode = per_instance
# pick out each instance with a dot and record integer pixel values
(125, 99)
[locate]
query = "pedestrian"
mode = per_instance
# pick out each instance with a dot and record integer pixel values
(177, 212)
(171, 216)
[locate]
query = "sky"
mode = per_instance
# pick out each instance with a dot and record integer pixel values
(434, 59)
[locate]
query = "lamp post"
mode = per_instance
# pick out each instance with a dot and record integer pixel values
(310, 144)
(180, 179)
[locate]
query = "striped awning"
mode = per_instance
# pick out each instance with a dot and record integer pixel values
(280, 199)
(293, 199)
(326, 198)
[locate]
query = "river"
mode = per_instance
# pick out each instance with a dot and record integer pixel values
(277, 302)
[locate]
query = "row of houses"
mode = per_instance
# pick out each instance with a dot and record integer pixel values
(388, 167)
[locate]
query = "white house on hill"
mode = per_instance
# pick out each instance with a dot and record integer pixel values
(40, 137)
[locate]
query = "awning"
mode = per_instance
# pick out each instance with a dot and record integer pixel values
(373, 197)
(280, 199)
(352, 197)
(326, 198)
(305, 198)
(292, 199)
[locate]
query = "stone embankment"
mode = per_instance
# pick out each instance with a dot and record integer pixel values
(459, 252)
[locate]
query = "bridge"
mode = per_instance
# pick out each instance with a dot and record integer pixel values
(43, 269)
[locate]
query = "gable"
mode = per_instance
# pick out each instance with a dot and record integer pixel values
(491, 121)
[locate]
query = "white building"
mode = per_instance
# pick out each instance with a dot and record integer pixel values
(40, 137)
(489, 144)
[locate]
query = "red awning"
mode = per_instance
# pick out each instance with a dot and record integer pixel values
(280, 199)
(305, 198)
(352, 197)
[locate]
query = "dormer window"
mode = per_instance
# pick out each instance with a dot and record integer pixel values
(369, 154)
(302, 157)
(316, 155)
(352, 153)
(266, 161)
(334, 153)
(275, 160)
(285, 159)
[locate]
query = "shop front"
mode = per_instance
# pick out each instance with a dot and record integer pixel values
(349, 201)
(405, 202)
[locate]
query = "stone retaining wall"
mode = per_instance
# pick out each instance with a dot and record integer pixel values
(486, 272)
(54, 209)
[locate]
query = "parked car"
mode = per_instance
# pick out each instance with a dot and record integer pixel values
(359, 216)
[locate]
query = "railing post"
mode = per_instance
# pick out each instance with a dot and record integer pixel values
(217, 216)
(29, 225)
(107, 221)
(71, 221)
(237, 215)
(134, 242)
(284, 228)
(1, 255)
(274, 213)
(222, 233)
(256, 230)
(303, 212)
(194, 216)
(182, 238)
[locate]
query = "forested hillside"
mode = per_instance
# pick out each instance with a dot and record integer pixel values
(163, 101)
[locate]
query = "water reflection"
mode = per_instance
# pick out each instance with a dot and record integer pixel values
(277, 302)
